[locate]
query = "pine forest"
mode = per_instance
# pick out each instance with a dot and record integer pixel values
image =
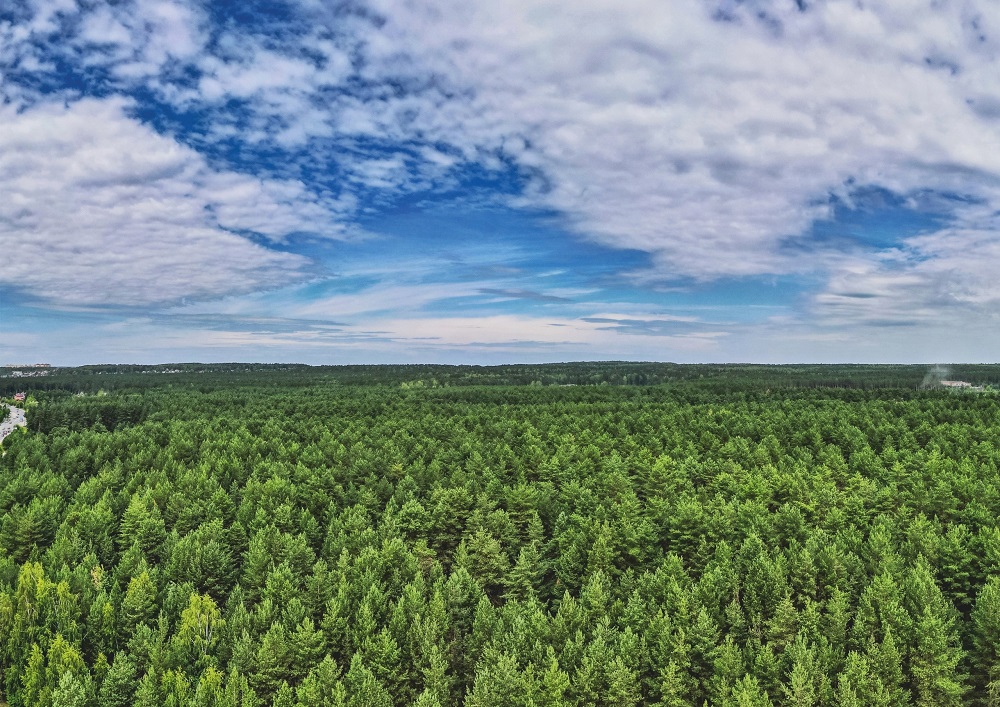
(594, 534)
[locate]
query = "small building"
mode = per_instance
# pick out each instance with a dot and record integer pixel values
(19, 397)
(956, 384)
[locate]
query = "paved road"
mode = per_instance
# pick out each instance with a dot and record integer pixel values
(15, 419)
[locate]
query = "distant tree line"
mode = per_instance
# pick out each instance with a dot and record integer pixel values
(715, 378)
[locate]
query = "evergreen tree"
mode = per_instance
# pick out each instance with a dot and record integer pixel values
(322, 686)
(522, 581)
(935, 661)
(148, 693)
(747, 693)
(804, 677)
(120, 684)
(936, 653)
(986, 635)
(554, 683)
(284, 697)
(139, 604)
(71, 692)
(363, 689)
(498, 683)
(427, 699)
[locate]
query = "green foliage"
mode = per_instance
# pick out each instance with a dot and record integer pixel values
(120, 684)
(578, 534)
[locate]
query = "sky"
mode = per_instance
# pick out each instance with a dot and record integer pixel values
(390, 181)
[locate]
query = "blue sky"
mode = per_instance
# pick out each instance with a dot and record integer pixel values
(445, 181)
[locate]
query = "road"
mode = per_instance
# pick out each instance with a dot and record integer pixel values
(14, 420)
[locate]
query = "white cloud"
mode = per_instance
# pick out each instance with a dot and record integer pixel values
(100, 26)
(704, 142)
(379, 299)
(139, 39)
(99, 209)
(951, 271)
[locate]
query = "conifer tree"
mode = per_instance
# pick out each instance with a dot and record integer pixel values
(986, 635)
(209, 691)
(119, 686)
(747, 693)
(934, 662)
(139, 604)
(427, 698)
(322, 686)
(363, 689)
(70, 692)
(936, 652)
(498, 682)
(801, 690)
(673, 688)
(284, 697)
(522, 580)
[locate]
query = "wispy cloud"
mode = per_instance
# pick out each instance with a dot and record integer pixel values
(523, 295)
(947, 277)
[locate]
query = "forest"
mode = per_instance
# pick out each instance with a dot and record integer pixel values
(594, 534)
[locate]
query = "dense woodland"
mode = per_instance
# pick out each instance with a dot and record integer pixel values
(582, 534)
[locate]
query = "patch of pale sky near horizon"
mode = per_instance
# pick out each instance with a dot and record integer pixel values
(457, 343)
(451, 338)
(389, 339)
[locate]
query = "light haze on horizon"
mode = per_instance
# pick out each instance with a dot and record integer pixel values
(379, 181)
